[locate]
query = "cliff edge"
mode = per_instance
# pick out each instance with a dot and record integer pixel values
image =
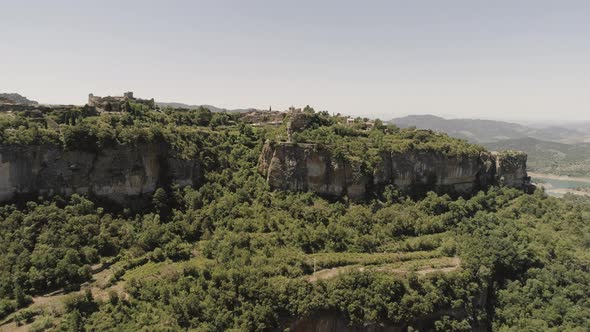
(122, 174)
(313, 167)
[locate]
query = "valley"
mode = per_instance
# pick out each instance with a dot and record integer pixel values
(562, 150)
(559, 185)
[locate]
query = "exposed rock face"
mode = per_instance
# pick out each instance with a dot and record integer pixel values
(122, 174)
(511, 169)
(310, 167)
(303, 167)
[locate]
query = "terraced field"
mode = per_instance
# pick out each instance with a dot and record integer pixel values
(420, 255)
(104, 283)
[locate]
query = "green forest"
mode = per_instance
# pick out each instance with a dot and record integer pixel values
(233, 255)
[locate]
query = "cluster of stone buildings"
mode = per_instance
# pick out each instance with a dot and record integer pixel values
(296, 118)
(117, 103)
(121, 104)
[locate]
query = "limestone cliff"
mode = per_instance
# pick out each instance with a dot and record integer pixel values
(511, 168)
(120, 174)
(311, 167)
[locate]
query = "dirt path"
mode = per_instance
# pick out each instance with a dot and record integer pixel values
(11, 327)
(53, 302)
(98, 286)
(333, 272)
(452, 264)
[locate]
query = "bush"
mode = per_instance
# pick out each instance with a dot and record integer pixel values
(25, 316)
(157, 255)
(42, 323)
(7, 307)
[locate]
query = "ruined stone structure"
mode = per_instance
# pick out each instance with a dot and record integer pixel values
(270, 117)
(117, 103)
(311, 167)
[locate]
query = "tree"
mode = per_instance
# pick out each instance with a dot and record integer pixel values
(203, 116)
(160, 202)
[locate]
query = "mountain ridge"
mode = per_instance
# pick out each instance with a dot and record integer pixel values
(482, 131)
(209, 107)
(17, 99)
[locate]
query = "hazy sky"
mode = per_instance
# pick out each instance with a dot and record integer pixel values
(490, 59)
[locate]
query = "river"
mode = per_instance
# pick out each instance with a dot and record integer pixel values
(558, 185)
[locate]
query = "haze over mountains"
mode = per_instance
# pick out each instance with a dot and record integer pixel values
(209, 107)
(561, 150)
(482, 131)
(16, 98)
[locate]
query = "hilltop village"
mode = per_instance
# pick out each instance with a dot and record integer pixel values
(124, 104)
(331, 155)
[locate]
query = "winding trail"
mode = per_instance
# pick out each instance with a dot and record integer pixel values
(53, 301)
(450, 265)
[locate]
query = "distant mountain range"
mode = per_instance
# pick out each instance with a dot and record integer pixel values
(548, 156)
(553, 149)
(209, 107)
(481, 131)
(16, 99)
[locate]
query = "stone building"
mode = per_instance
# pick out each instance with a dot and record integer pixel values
(117, 103)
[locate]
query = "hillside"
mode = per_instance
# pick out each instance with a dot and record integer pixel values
(209, 107)
(216, 246)
(551, 149)
(16, 98)
(550, 157)
(482, 131)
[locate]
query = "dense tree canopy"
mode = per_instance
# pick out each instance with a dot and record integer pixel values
(232, 254)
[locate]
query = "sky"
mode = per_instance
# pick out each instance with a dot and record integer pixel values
(504, 59)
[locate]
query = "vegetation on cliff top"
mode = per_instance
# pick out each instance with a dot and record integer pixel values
(372, 137)
(234, 255)
(83, 129)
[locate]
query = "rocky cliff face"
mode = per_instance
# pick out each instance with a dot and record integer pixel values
(511, 169)
(310, 167)
(303, 167)
(121, 174)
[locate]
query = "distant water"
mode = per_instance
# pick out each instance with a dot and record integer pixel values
(558, 186)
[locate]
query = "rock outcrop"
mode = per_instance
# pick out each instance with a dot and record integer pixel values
(131, 173)
(511, 169)
(123, 174)
(311, 167)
